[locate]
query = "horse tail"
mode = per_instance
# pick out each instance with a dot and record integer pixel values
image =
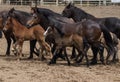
(108, 39)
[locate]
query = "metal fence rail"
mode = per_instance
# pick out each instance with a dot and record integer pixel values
(55, 2)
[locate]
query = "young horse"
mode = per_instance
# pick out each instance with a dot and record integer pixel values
(78, 14)
(62, 41)
(22, 33)
(23, 18)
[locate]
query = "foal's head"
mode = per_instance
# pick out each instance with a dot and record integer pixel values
(8, 24)
(35, 19)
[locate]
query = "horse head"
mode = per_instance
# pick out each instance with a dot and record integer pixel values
(8, 24)
(35, 19)
(68, 10)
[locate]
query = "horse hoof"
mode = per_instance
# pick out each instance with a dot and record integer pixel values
(42, 59)
(51, 63)
(108, 62)
(93, 62)
(72, 57)
(69, 64)
(7, 55)
(29, 58)
(23, 55)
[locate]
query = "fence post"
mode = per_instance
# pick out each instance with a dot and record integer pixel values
(99, 2)
(57, 2)
(21, 2)
(81, 2)
(41, 2)
(104, 2)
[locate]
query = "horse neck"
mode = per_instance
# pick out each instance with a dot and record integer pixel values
(80, 15)
(17, 26)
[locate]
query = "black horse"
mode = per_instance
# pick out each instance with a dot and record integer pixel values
(112, 24)
(44, 21)
(9, 37)
(22, 17)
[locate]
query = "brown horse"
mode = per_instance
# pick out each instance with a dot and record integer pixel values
(22, 34)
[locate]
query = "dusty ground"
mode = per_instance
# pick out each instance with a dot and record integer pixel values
(37, 71)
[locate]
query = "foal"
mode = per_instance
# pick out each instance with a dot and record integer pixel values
(72, 39)
(22, 33)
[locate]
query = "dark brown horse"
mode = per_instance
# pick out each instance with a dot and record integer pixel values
(108, 23)
(72, 39)
(22, 33)
(89, 30)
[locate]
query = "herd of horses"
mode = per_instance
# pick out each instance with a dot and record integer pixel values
(54, 32)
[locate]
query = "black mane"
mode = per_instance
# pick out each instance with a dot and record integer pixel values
(21, 16)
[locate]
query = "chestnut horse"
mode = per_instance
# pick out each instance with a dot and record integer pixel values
(22, 34)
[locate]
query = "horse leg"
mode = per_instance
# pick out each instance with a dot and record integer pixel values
(8, 44)
(115, 57)
(84, 53)
(73, 53)
(53, 48)
(14, 40)
(32, 45)
(67, 57)
(20, 50)
(60, 55)
(95, 51)
(101, 51)
(55, 56)
(41, 54)
(111, 52)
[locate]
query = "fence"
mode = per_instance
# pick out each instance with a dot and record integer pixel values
(56, 2)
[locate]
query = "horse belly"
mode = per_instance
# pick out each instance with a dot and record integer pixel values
(64, 41)
(29, 36)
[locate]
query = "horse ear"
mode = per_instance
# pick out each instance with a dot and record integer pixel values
(69, 5)
(11, 10)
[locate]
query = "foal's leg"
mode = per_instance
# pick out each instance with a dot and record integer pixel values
(73, 53)
(66, 56)
(115, 57)
(111, 51)
(20, 50)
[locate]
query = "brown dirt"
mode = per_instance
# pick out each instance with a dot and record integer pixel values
(38, 71)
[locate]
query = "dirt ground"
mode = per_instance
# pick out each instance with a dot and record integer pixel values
(38, 71)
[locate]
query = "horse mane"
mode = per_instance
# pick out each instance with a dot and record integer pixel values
(82, 11)
(19, 15)
(56, 24)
